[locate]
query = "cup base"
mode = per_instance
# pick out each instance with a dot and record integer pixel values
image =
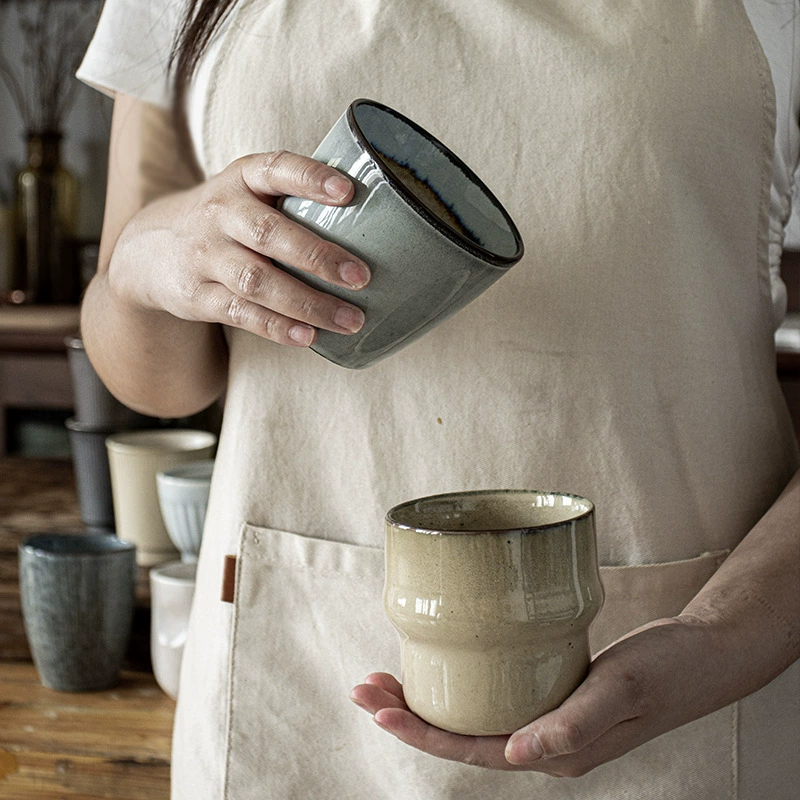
(154, 558)
(80, 685)
(493, 691)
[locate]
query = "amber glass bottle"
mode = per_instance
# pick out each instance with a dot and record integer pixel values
(47, 212)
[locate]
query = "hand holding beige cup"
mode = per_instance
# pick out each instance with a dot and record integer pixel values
(492, 593)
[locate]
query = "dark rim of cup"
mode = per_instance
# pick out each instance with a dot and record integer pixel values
(394, 512)
(451, 233)
(75, 545)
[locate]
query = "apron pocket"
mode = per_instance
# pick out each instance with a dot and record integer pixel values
(309, 625)
(635, 595)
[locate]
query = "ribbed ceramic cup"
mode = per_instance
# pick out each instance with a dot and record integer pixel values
(432, 232)
(77, 602)
(492, 594)
(171, 594)
(183, 497)
(95, 406)
(92, 475)
(135, 458)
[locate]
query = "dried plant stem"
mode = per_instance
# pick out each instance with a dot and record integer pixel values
(55, 35)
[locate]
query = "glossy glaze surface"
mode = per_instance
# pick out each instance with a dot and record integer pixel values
(424, 267)
(492, 594)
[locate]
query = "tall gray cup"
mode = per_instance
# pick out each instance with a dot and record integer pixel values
(77, 602)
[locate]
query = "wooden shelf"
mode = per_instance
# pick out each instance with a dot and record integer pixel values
(34, 373)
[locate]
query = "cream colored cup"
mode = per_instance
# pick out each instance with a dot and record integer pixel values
(171, 594)
(492, 594)
(134, 459)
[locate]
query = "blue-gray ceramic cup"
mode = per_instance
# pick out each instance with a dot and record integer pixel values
(433, 234)
(78, 596)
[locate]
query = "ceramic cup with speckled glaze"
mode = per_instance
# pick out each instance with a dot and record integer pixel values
(77, 602)
(492, 593)
(433, 234)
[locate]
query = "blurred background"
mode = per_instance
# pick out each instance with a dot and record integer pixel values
(53, 153)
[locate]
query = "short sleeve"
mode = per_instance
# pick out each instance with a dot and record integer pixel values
(130, 49)
(778, 28)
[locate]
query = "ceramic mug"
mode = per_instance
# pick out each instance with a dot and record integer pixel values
(171, 594)
(134, 458)
(77, 593)
(183, 497)
(92, 476)
(492, 593)
(433, 234)
(95, 406)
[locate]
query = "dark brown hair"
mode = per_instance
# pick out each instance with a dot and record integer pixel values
(199, 21)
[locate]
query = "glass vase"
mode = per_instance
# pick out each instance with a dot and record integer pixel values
(47, 212)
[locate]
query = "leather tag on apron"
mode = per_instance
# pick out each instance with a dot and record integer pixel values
(228, 579)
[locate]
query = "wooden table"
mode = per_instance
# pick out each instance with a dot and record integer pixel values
(92, 745)
(54, 745)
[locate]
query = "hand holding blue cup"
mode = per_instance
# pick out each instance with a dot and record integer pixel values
(433, 234)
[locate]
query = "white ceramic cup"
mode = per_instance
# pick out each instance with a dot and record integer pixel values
(183, 496)
(134, 459)
(171, 595)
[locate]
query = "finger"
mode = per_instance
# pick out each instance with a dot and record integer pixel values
(223, 306)
(258, 280)
(606, 698)
(373, 698)
(617, 741)
(483, 751)
(281, 172)
(266, 231)
(386, 682)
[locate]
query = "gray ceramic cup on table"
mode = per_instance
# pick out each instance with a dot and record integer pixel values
(78, 593)
(95, 406)
(92, 474)
(433, 234)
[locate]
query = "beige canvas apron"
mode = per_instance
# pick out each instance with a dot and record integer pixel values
(627, 358)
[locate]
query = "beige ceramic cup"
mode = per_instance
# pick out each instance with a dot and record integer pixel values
(171, 594)
(492, 594)
(134, 459)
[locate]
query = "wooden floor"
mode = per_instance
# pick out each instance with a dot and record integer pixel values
(55, 745)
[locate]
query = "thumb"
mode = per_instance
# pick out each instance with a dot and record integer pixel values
(595, 707)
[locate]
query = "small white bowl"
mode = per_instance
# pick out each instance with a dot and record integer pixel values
(183, 497)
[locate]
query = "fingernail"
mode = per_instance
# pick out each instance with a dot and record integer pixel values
(302, 334)
(524, 749)
(356, 275)
(350, 318)
(337, 187)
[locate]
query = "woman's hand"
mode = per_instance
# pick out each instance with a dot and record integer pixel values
(659, 677)
(204, 254)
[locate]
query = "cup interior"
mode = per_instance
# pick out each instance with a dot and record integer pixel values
(175, 573)
(488, 511)
(80, 544)
(432, 179)
(192, 472)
